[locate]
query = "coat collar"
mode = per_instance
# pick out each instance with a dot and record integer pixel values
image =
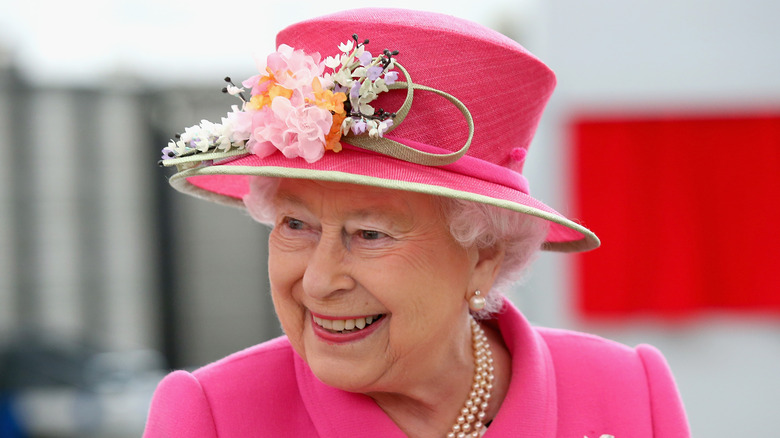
(530, 407)
(528, 411)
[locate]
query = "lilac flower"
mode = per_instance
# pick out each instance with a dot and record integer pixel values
(338, 88)
(366, 58)
(359, 127)
(391, 77)
(355, 91)
(374, 72)
(386, 124)
(168, 153)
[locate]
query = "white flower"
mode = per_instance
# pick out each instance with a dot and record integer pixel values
(383, 125)
(373, 128)
(369, 96)
(359, 72)
(233, 90)
(190, 133)
(379, 86)
(332, 62)
(378, 129)
(345, 60)
(346, 125)
(359, 51)
(342, 78)
(347, 47)
(365, 88)
(209, 129)
(202, 144)
(223, 143)
(366, 109)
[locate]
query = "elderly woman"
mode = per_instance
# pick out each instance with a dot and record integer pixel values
(389, 166)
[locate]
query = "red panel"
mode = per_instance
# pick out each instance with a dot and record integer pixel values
(687, 211)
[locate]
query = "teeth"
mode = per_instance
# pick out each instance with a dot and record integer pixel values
(345, 324)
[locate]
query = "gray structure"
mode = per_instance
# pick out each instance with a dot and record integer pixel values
(105, 270)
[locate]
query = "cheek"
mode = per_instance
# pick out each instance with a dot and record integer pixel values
(422, 286)
(285, 274)
(439, 265)
(285, 265)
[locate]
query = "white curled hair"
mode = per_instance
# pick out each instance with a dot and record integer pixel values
(470, 223)
(486, 226)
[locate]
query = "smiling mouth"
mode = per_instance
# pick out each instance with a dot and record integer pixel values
(344, 326)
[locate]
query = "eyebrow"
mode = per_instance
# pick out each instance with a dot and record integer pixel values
(284, 197)
(395, 215)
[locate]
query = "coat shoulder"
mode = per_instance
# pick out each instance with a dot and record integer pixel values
(252, 392)
(624, 389)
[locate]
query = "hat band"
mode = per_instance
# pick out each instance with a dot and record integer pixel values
(467, 165)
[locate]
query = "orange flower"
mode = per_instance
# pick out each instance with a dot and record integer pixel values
(326, 99)
(273, 89)
(258, 101)
(332, 139)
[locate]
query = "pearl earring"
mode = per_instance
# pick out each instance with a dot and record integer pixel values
(477, 302)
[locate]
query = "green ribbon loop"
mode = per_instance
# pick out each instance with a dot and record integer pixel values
(395, 149)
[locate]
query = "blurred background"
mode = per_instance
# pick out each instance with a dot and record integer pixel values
(663, 137)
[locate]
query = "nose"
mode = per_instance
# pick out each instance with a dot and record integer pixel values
(327, 271)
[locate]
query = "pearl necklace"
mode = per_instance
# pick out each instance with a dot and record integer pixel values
(470, 421)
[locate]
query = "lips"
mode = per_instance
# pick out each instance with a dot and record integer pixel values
(346, 326)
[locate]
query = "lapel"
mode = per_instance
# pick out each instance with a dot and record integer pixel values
(529, 409)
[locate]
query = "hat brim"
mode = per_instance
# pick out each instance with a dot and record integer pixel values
(227, 181)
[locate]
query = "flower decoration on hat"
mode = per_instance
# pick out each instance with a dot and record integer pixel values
(297, 107)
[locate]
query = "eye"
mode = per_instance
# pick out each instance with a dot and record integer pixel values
(371, 235)
(293, 224)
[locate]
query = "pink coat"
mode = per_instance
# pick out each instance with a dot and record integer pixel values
(564, 384)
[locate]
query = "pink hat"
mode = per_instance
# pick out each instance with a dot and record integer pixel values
(452, 113)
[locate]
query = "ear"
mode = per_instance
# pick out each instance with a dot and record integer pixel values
(487, 264)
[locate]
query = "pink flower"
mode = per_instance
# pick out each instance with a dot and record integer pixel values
(293, 69)
(296, 130)
(255, 85)
(266, 132)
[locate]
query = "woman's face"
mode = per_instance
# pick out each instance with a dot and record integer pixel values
(368, 283)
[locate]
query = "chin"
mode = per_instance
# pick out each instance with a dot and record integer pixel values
(343, 375)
